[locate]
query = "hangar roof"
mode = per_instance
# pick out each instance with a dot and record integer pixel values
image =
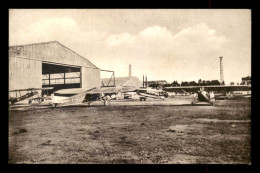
(51, 51)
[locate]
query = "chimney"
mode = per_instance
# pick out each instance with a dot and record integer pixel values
(143, 81)
(146, 81)
(130, 72)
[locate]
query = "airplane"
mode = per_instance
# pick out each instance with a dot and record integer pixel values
(213, 92)
(74, 96)
(31, 95)
(145, 93)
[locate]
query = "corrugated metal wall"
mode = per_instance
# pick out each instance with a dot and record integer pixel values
(24, 73)
(25, 64)
(90, 77)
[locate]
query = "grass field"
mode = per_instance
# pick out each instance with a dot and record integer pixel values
(133, 134)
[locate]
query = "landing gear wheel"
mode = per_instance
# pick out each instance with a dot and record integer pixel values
(106, 103)
(40, 100)
(54, 104)
(142, 99)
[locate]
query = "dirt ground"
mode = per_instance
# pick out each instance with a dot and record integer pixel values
(145, 134)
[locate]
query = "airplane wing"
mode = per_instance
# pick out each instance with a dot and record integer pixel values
(45, 88)
(31, 89)
(105, 90)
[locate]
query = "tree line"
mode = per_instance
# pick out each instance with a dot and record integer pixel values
(199, 83)
(191, 83)
(245, 81)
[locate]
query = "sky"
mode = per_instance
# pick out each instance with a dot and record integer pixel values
(163, 44)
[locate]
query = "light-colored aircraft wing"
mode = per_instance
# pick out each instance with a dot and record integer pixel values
(105, 90)
(32, 89)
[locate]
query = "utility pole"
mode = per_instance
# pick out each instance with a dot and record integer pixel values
(221, 71)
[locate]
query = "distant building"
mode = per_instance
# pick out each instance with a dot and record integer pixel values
(156, 82)
(125, 82)
(246, 80)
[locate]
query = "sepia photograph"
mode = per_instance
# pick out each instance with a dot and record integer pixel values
(129, 86)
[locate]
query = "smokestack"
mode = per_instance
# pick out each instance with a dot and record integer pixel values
(143, 81)
(146, 80)
(130, 72)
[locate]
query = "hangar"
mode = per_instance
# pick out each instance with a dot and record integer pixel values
(50, 64)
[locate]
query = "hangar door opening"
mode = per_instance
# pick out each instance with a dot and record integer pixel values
(60, 76)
